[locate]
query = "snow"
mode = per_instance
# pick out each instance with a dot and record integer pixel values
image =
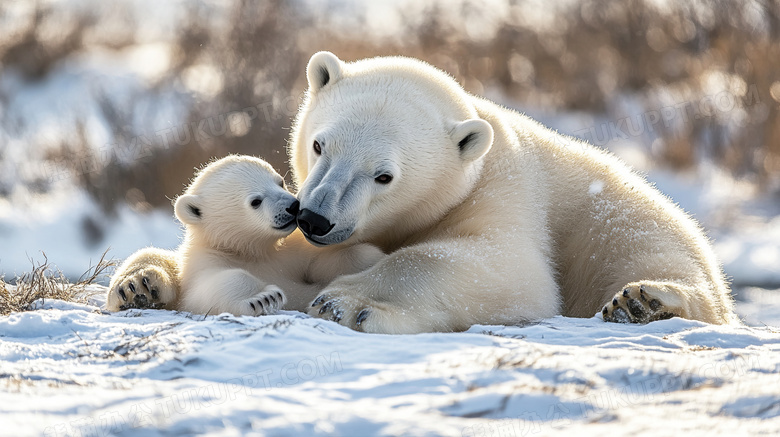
(596, 187)
(752, 255)
(758, 306)
(71, 369)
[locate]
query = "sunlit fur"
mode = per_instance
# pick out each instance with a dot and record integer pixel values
(531, 225)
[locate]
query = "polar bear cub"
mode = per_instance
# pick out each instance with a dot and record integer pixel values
(235, 257)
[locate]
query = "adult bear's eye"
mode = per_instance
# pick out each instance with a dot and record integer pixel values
(317, 147)
(383, 179)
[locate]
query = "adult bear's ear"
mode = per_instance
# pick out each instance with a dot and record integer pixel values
(473, 137)
(188, 209)
(324, 69)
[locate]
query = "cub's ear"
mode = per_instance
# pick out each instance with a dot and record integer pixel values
(324, 68)
(473, 137)
(188, 209)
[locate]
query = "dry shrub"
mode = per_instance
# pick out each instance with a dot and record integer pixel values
(46, 282)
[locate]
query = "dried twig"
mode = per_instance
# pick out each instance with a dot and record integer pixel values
(47, 282)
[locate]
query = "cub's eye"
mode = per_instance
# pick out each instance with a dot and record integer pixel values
(317, 147)
(383, 179)
(256, 202)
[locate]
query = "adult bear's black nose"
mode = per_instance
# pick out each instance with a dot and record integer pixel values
(312, 223)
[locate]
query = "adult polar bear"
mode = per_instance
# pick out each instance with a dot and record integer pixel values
(488, 216)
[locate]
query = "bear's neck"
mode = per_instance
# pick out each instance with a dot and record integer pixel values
(418, 224)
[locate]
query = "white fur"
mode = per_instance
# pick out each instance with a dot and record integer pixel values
(234, 258)
(504, 230)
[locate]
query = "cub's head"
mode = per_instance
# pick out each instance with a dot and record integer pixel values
(382, 148)
(238, 203)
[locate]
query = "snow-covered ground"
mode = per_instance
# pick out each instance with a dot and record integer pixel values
(68, 369)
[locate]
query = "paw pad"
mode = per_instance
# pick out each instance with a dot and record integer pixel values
(635, 304)
(143, 296)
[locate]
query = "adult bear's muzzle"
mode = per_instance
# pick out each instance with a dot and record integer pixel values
(313, 224)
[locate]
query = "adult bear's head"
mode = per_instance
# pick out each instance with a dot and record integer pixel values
(382, 148)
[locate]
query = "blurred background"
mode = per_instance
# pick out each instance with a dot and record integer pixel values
(107, 107)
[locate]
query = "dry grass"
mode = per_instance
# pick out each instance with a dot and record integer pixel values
(46, 282)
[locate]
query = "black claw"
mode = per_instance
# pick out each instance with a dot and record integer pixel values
(155, 293)
(132, 287)
(625, 292)
(267, 301)
(636, 308)
(604, 311)
(122, 294)
(614, 301)
(145, 282)
(320, 299)
(337, 315)
(362, 316)
(641, 288)
(327, 306)
(253, 306)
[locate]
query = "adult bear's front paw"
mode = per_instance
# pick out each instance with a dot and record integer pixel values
(348, 302)
(349, 310)
(359, 303)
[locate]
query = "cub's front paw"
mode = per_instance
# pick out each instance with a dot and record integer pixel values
(268, 301)
(149, 287)
(638, 303)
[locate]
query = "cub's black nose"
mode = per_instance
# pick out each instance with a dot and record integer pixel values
(293, 209)
(312, 223)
